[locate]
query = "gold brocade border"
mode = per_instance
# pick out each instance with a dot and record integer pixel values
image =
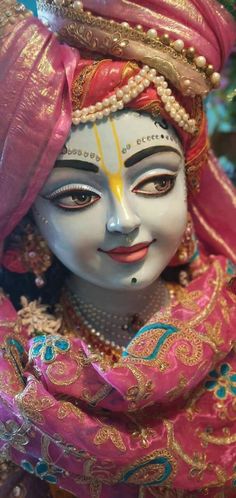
(115, 28)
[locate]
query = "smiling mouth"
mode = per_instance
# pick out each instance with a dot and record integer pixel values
(130, 254)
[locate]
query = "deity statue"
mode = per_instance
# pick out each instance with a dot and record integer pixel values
(118, 246)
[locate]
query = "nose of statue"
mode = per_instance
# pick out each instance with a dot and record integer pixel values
(122, 219)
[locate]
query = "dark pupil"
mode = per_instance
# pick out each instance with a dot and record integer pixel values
(162, 183)
(80, 198)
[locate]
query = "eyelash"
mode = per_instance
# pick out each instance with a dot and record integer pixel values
(76, 190)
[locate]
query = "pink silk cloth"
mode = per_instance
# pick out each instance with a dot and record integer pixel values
(163, 417)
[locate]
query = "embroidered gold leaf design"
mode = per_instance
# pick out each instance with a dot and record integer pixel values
(188, 299)
(95, 489)
(32, 404)
(107, 433)
(36, 318)
(225, 310)
(144, 435)
(214, 332)
(67, 408)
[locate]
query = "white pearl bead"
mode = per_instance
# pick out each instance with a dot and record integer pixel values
(140, 87)
(98, 106)
(127, 98)
(93, 118)
(152, 33)
(125, 24)
(178, 118)
(178, 45)
(134, 93)
(139, 27)
(215, 78)
(146, 68)
(164, 84)
(120, 105)
(83, 119)
(91, 108)
(168, 107)
(76, 121)
(106, 112)
(126, 89)
(168, 91)
(78, 5)
(143, 72)
(200, 61)
(160, 91)
(119, 94)
(99, 115)
(113, 108)
(113, 100)
(131, 83)
(164, 99)
(181, 123)
(146, 83)
(106, 102)
(173, 113)
(138, 78)
(192, 122)
(152, 72)
(77, 113)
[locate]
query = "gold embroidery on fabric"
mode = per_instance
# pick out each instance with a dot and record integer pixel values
(143, 470)
(214, 332)
(66, 409)
(145, 436)
(107, 433)
(32, 405)
(81, 84)
(57, 372)
(197, 462)
(217, 440)
(94, 399)
(179, 389)
(10, 384)
(142, 390)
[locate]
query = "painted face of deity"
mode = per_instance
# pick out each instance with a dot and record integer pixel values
(114, 207)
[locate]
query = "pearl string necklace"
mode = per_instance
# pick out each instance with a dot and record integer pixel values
(119, 328)
(130, 91)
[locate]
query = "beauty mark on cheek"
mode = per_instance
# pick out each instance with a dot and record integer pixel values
(115, 179)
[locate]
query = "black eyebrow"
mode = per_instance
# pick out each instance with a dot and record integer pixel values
(75, 163)
(142, 154)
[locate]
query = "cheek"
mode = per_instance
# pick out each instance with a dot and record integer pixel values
(67, 232)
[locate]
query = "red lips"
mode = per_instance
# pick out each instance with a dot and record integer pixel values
(129, 254)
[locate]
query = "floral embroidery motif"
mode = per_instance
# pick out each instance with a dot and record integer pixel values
(32, 404)
(155, 469)
(47, 347)
(43, 470)
(222, 382)
(106, 433)
(14, 434)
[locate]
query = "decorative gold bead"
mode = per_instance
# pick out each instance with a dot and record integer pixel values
(200, 61)
(165, 39)
(152, 33)
(125, 24)
(139, 27)
(209, 70)
(215, 79)
(191, 52)
(178, 45)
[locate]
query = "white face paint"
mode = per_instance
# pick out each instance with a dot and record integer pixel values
(118, 184)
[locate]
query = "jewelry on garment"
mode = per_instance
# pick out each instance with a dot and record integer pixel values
(112, 329)
(130, 91)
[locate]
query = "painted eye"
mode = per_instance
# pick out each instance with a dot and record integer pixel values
(76, 200)
(156, 186)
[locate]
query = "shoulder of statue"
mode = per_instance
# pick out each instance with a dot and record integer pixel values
(11, 13)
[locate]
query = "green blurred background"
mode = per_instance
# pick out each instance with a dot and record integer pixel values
(221, 112)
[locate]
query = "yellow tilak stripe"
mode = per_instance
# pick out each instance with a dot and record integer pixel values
(115, 179)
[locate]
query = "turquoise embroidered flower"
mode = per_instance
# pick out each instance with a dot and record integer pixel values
(222, 381)
(48, 346)
(43, 470)
(14, 435)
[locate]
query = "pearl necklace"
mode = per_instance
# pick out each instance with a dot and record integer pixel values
(110, 328)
